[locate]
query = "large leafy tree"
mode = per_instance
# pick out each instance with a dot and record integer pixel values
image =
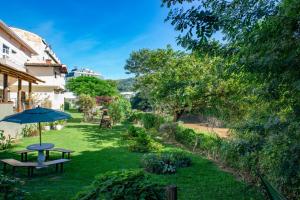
(199, 20)
(91, 86)
(175, 82)
(264, 42)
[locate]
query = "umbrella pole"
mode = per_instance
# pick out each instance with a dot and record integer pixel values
(40, 131)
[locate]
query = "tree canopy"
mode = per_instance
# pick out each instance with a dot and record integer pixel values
(92, 86)
(251, 79)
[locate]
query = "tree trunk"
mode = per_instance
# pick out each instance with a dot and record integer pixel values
(177, 114)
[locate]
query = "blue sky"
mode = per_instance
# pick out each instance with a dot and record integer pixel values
(96, 34)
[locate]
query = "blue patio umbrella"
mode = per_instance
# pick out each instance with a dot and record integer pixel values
(37, 115)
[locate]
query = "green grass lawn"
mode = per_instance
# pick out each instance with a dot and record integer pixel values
(99, 151)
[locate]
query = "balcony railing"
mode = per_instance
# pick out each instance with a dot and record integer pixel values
(5, 59)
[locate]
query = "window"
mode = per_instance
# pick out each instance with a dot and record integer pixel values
(5, 49)
(13, 52)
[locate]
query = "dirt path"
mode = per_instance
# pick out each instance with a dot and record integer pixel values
(222, 132)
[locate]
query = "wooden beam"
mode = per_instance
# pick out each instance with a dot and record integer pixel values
(5, 88)
(19, 102)
(29, 95)
(10, 71)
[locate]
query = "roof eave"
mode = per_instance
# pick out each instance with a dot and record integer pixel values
(17, 38)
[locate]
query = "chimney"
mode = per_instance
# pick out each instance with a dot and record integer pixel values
(48, 61)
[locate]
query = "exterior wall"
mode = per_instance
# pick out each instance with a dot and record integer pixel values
(38, 44)
(17, 59)
(54, 80)
(47, 74)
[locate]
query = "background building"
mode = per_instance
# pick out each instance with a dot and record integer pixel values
(76, 72)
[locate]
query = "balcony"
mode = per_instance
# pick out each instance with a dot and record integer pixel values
(5, 59)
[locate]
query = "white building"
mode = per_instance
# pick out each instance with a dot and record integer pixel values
(82, 72)
(30, 74)
(38, 61)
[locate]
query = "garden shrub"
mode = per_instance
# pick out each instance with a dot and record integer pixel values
(5, 142)
(29, 130)
(185, 136)
(87, 105)
(140, 140)
(66, 105)
(123, 185)
(135, 116)
(151, 120)
(144, 143)
(10, 188)
(207, 143)
(132, 132)
(165, 163)
(119, 110)
(169, 129)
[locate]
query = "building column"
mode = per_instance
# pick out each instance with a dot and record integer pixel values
(29, 95)
(5, 88)
(19, 102)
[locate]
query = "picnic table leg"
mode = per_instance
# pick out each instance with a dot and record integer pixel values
(63, 155)
(61, 167)
(69, 155)
(47, 155)
(22, 157)
(4, 167)
(28, 171)
(26, 157)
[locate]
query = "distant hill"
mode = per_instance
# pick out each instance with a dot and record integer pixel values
(125, 85)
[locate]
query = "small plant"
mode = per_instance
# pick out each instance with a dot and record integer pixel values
(66, 106)
(140, 140)
(119, 109)
(87, 105)
(29, 130)
(169, 129)
(151, 120)
(132, 132)
(165, 163)
(5, 142)
(121, 185)
(135, 116)
(144, 143)
(10, 188)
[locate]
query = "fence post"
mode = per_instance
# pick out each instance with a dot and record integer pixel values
(171, 192)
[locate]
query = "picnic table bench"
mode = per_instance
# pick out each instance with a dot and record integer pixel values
(62, 150)
(31, 165)
(24, 152)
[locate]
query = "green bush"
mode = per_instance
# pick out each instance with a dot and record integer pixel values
(135, 116)
(169, 129)
(10, 188)
(66, 105)
(132, 132)
(87, 105)
(119, 110)
(151, 120)
(144, 143)
(165, 163)
(207, 143)
(29, 130)
(140, 140)
(5, 142)
(123, 185)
